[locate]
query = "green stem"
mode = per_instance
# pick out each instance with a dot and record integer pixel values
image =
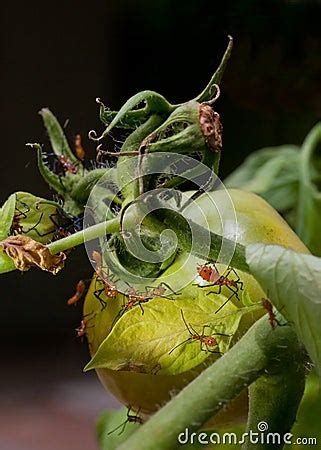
(88, 234)
(274, 399)
(261, 349)
(126, 167)
(182, 229)
(199, 247)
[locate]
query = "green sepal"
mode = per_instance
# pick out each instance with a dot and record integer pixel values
(208, 93)
(131, 120)
(62, 185)
(154, 104)
(182, 133)
(50, 177)
(126, 266)
(127, 117)
(126, 166)
(82, 189)
(57, 137)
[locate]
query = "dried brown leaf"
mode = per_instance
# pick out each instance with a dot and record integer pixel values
(26, 253)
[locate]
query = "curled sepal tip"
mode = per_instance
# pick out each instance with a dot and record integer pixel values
(129, 116)
(27, 253)
(207, 94)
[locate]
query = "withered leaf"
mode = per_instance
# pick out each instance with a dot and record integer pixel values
(211, 127)
(26, 253)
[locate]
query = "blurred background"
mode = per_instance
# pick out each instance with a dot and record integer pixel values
(64, 57)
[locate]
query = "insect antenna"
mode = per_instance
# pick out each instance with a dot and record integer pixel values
(186, 324)
(181, 343)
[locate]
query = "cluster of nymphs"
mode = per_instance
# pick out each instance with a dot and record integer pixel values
(106, 284)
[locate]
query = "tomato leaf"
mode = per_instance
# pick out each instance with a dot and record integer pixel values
(271, 172)
(6, 217)
(146, 342)
(293, 283)
(309, 202)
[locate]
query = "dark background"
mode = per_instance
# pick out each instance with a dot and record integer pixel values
(65, 56)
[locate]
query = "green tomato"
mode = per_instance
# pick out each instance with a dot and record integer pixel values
(129, 380)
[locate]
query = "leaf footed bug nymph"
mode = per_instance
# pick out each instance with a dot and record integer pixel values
(212, 275)
(159, 291)
(80, 289)
(267, 305)
(109, 287)
(81, 330)
(131, 418)
(208, 273)
(207, 341)
(136, 298)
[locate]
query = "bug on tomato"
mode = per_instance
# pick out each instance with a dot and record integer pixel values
(207, 342)
(109, 287)
(131, 418)
(267, 305)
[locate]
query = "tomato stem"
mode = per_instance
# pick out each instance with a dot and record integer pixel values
(258, 352)
(88, 234)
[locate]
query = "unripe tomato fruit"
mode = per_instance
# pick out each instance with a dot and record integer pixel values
(257, 222)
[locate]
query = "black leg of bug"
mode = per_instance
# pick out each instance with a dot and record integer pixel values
(130, 419)
(214, 334)
(97, 294)
(234, 293)
(141, 308)
(169, 288)
(208, 350)
(238, 279)
(34, 227)
(118, 316)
